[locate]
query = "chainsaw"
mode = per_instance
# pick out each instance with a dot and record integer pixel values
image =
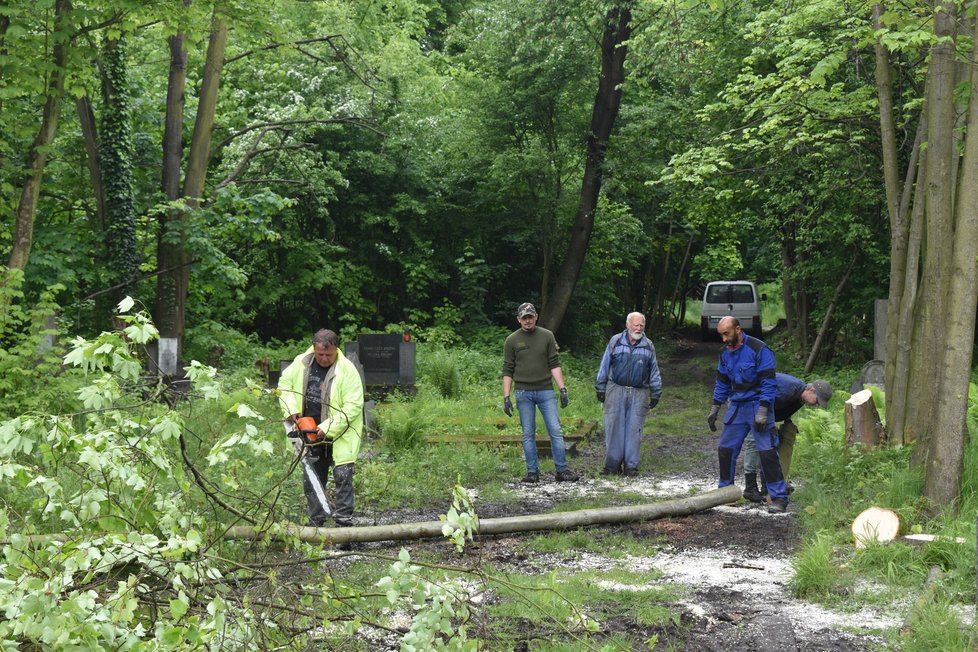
(310, 439)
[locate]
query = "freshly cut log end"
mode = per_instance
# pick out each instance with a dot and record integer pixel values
(875, 524)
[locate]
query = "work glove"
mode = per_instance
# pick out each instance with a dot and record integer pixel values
(760, 419)
(508, 406)
(712, 419)
(563, 397)
(600, 396)
(653, 402)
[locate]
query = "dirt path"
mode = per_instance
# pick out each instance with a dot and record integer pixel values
(732, 564)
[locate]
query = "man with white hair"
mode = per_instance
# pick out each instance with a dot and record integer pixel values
(629, 385)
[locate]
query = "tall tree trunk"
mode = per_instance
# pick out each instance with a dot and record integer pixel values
(945, 463)
(116, 152)
(928, 342)
(603, 115)
(898, 387)
(173, 254)
(38, 155)
(86, 118)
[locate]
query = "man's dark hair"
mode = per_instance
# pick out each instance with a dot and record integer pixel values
(326, 338)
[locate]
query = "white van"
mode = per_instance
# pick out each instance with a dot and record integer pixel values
(737, 298)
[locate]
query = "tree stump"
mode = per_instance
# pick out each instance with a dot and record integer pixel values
(875, 524)
(863, 424)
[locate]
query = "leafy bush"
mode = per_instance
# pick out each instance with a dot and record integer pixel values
(31, 377)
(440, 368)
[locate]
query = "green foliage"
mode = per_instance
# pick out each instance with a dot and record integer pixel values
(440, 368)
(31, 377)
(816, 572)
(935, 624)
(461, 522)
(438, 609)
(403, 425)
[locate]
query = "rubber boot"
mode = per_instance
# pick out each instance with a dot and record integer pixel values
(750, 488)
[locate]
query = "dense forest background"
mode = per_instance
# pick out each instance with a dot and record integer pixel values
(424, 165)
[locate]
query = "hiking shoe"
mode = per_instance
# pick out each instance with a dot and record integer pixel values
(631, 473)
(778, 506)
(531, 477)
(752, 494)
(566, 476)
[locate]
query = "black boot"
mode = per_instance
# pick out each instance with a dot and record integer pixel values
(750, 488)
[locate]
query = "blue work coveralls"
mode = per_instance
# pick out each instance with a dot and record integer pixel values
(746, 377)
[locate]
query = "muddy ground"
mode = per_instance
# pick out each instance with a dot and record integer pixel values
(731, 563)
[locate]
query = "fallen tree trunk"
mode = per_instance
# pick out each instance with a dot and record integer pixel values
(505, 525)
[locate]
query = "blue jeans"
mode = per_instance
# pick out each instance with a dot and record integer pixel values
(527, 400)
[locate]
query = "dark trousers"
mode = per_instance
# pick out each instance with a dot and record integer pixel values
(342, 478)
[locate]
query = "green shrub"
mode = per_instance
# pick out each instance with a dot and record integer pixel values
(439, 367)
(403, 425)
(31, 377)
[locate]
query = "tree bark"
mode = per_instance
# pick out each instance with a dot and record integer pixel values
(86, 117)
(945, 464)
(927, 347)
(603, 115)
(528, 523)
(172, 287)
(863, 425)
(38, 155)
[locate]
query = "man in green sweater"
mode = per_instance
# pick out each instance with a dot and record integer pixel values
(531, 363)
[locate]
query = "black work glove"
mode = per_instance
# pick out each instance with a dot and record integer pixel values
(653, 402)
(712, 419)
(508, 406)
(760, 419)
(600, 396)
(563, 397)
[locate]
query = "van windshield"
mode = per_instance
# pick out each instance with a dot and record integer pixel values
(730, 294)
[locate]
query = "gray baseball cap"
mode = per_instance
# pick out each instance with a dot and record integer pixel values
(823, 391)
(528, 309)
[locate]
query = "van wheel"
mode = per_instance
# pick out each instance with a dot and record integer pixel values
(705, 334)
(756, 333)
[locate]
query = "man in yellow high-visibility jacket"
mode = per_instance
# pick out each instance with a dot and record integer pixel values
(323, 384)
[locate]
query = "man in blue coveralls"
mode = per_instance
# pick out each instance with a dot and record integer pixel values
(746, 376)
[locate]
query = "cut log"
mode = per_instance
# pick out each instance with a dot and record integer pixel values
(875, 524)
(505, 525)
(863, 424)
(921, 539)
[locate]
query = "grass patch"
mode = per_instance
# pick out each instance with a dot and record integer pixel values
(935, 624)
(816, 573)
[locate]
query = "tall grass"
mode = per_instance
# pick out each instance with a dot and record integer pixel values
(816, 573)
(440, 368)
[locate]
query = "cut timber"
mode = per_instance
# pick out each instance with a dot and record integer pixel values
(505, 525)
(863, 425)
(921, 539)
(875, 524)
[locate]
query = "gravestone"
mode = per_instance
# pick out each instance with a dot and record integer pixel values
(386, 359)
(166, 360)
